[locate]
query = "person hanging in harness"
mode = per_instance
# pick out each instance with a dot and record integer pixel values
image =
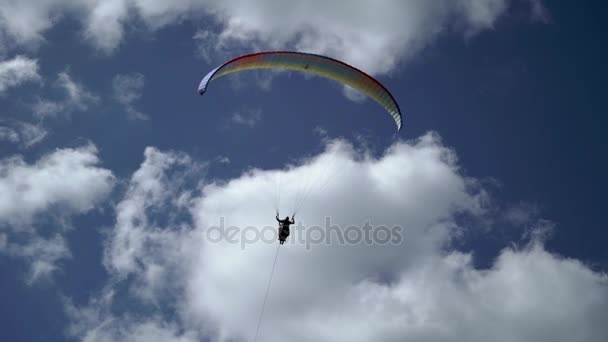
(284, 227)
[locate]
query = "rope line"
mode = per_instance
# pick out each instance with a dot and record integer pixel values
(257, 330)
(278, 204)
(326, 173)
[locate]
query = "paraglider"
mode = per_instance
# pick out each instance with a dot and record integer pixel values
(309, 63)
(313, 64)
(284, 227)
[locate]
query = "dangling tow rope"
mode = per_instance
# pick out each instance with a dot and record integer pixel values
(257, 330)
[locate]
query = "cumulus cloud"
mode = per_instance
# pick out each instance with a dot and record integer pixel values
(67, 178)
(137, 234)
(25, 21)
(371, 35)
(104, 23)
(416, 288)
(128, 89)
(16, 71)
(137, 247)
(63, 183)
(75, 97)
(123, 329)
(22, 133)
(87, 325)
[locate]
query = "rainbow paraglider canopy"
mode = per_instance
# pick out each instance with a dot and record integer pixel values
(314, 64)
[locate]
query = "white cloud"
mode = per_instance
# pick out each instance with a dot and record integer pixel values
(522, 214)
(61, 184)
(418, 289)
(95, 323)
(539, 11)
(104, 26)
(353, 94)
(139, 247)
(22, 133)
(26, 21)
(206, 43)
(480, 15)
(43, 255)
(9, 134)
(69, 179)
(75, 98)
(124, 329)
(223, 160)
(136, 235)
(247, 117)
(128, 88)
(375, 36)
(31, 134)
(16, 71)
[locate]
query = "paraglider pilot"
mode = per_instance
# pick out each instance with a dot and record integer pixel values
(284, 227)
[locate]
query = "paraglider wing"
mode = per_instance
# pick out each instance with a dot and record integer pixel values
(314, 64)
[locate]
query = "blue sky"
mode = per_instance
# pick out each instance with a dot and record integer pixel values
(113, 171)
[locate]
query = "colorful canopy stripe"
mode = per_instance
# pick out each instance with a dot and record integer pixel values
(314, 64)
